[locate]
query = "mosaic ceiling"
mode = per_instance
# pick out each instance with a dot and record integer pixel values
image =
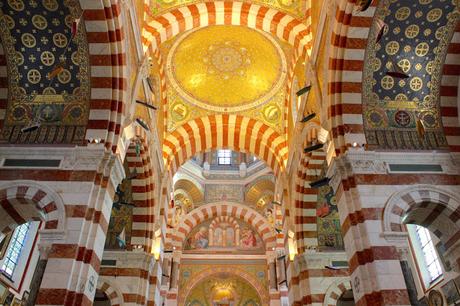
(294, 7)
(416, 38)
(226, 69)
(37, 40)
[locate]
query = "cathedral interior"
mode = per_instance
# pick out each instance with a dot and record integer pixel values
(230, 153)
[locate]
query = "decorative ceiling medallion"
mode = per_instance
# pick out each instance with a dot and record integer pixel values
(226, 68)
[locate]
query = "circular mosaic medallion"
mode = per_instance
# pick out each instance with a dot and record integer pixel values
(50, 5)
(34, 76)
(430, 119)
(376, 117)
(39, 22)
(28, 40)
(271, 113)
(226, 68)
(19, 112)
(17, 5)
(402, 118)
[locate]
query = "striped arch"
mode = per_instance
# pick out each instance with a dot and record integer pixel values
(213, 210)
(115, 298)
(158, 29)
(306, 198)
(450, 82)
(350, 30)
(428, 206)
(225, 131)
(255, 283)
(334, 292)
(25, 201)
(3, 85)
(102, 20)
(143, 191)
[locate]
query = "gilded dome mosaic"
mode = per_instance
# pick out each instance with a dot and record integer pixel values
(226, 68)
(416, 36)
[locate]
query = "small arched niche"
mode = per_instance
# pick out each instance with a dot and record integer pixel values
(101, 299)
(346, 299)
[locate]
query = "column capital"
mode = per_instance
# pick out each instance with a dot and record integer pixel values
(44, 250)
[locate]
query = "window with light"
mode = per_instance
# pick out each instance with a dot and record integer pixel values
(13, 253)
(426, 255)
(224, 157)
(429, 253)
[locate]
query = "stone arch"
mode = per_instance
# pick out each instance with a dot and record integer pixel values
(213, 210)
(428, 206)
(450, 84)
(230, 270)
(335, 290)
(116, 299)
(143, 186)
(102, 20)
(225, 131)
(349, 34)
(24, 201)
(305, 197)
(158, 29)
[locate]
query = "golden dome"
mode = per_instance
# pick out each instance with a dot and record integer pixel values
(226, 68)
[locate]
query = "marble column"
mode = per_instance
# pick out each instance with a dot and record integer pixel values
(38, 274)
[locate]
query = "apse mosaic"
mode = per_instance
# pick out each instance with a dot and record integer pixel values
(415, 40)
(329, 230)
(295, 7)
(224, 235)
(223, 289)
(199, 280)
(226, 69)
(47, 71)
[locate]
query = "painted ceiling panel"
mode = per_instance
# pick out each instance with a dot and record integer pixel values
(416, 37)
(37, 39)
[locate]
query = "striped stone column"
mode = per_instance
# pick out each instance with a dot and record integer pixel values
(374, 261)
(131, 274)
(76, 197)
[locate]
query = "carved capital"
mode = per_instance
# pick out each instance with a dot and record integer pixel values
(44, 250)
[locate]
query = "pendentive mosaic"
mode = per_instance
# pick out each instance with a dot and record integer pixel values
(38, 41)
(416, 37)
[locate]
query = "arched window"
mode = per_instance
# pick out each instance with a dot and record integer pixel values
(425, 253)
(14, 249)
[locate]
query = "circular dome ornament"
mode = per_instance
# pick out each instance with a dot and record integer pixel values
(226, 68)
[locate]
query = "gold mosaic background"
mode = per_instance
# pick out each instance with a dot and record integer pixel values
(206, 66)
